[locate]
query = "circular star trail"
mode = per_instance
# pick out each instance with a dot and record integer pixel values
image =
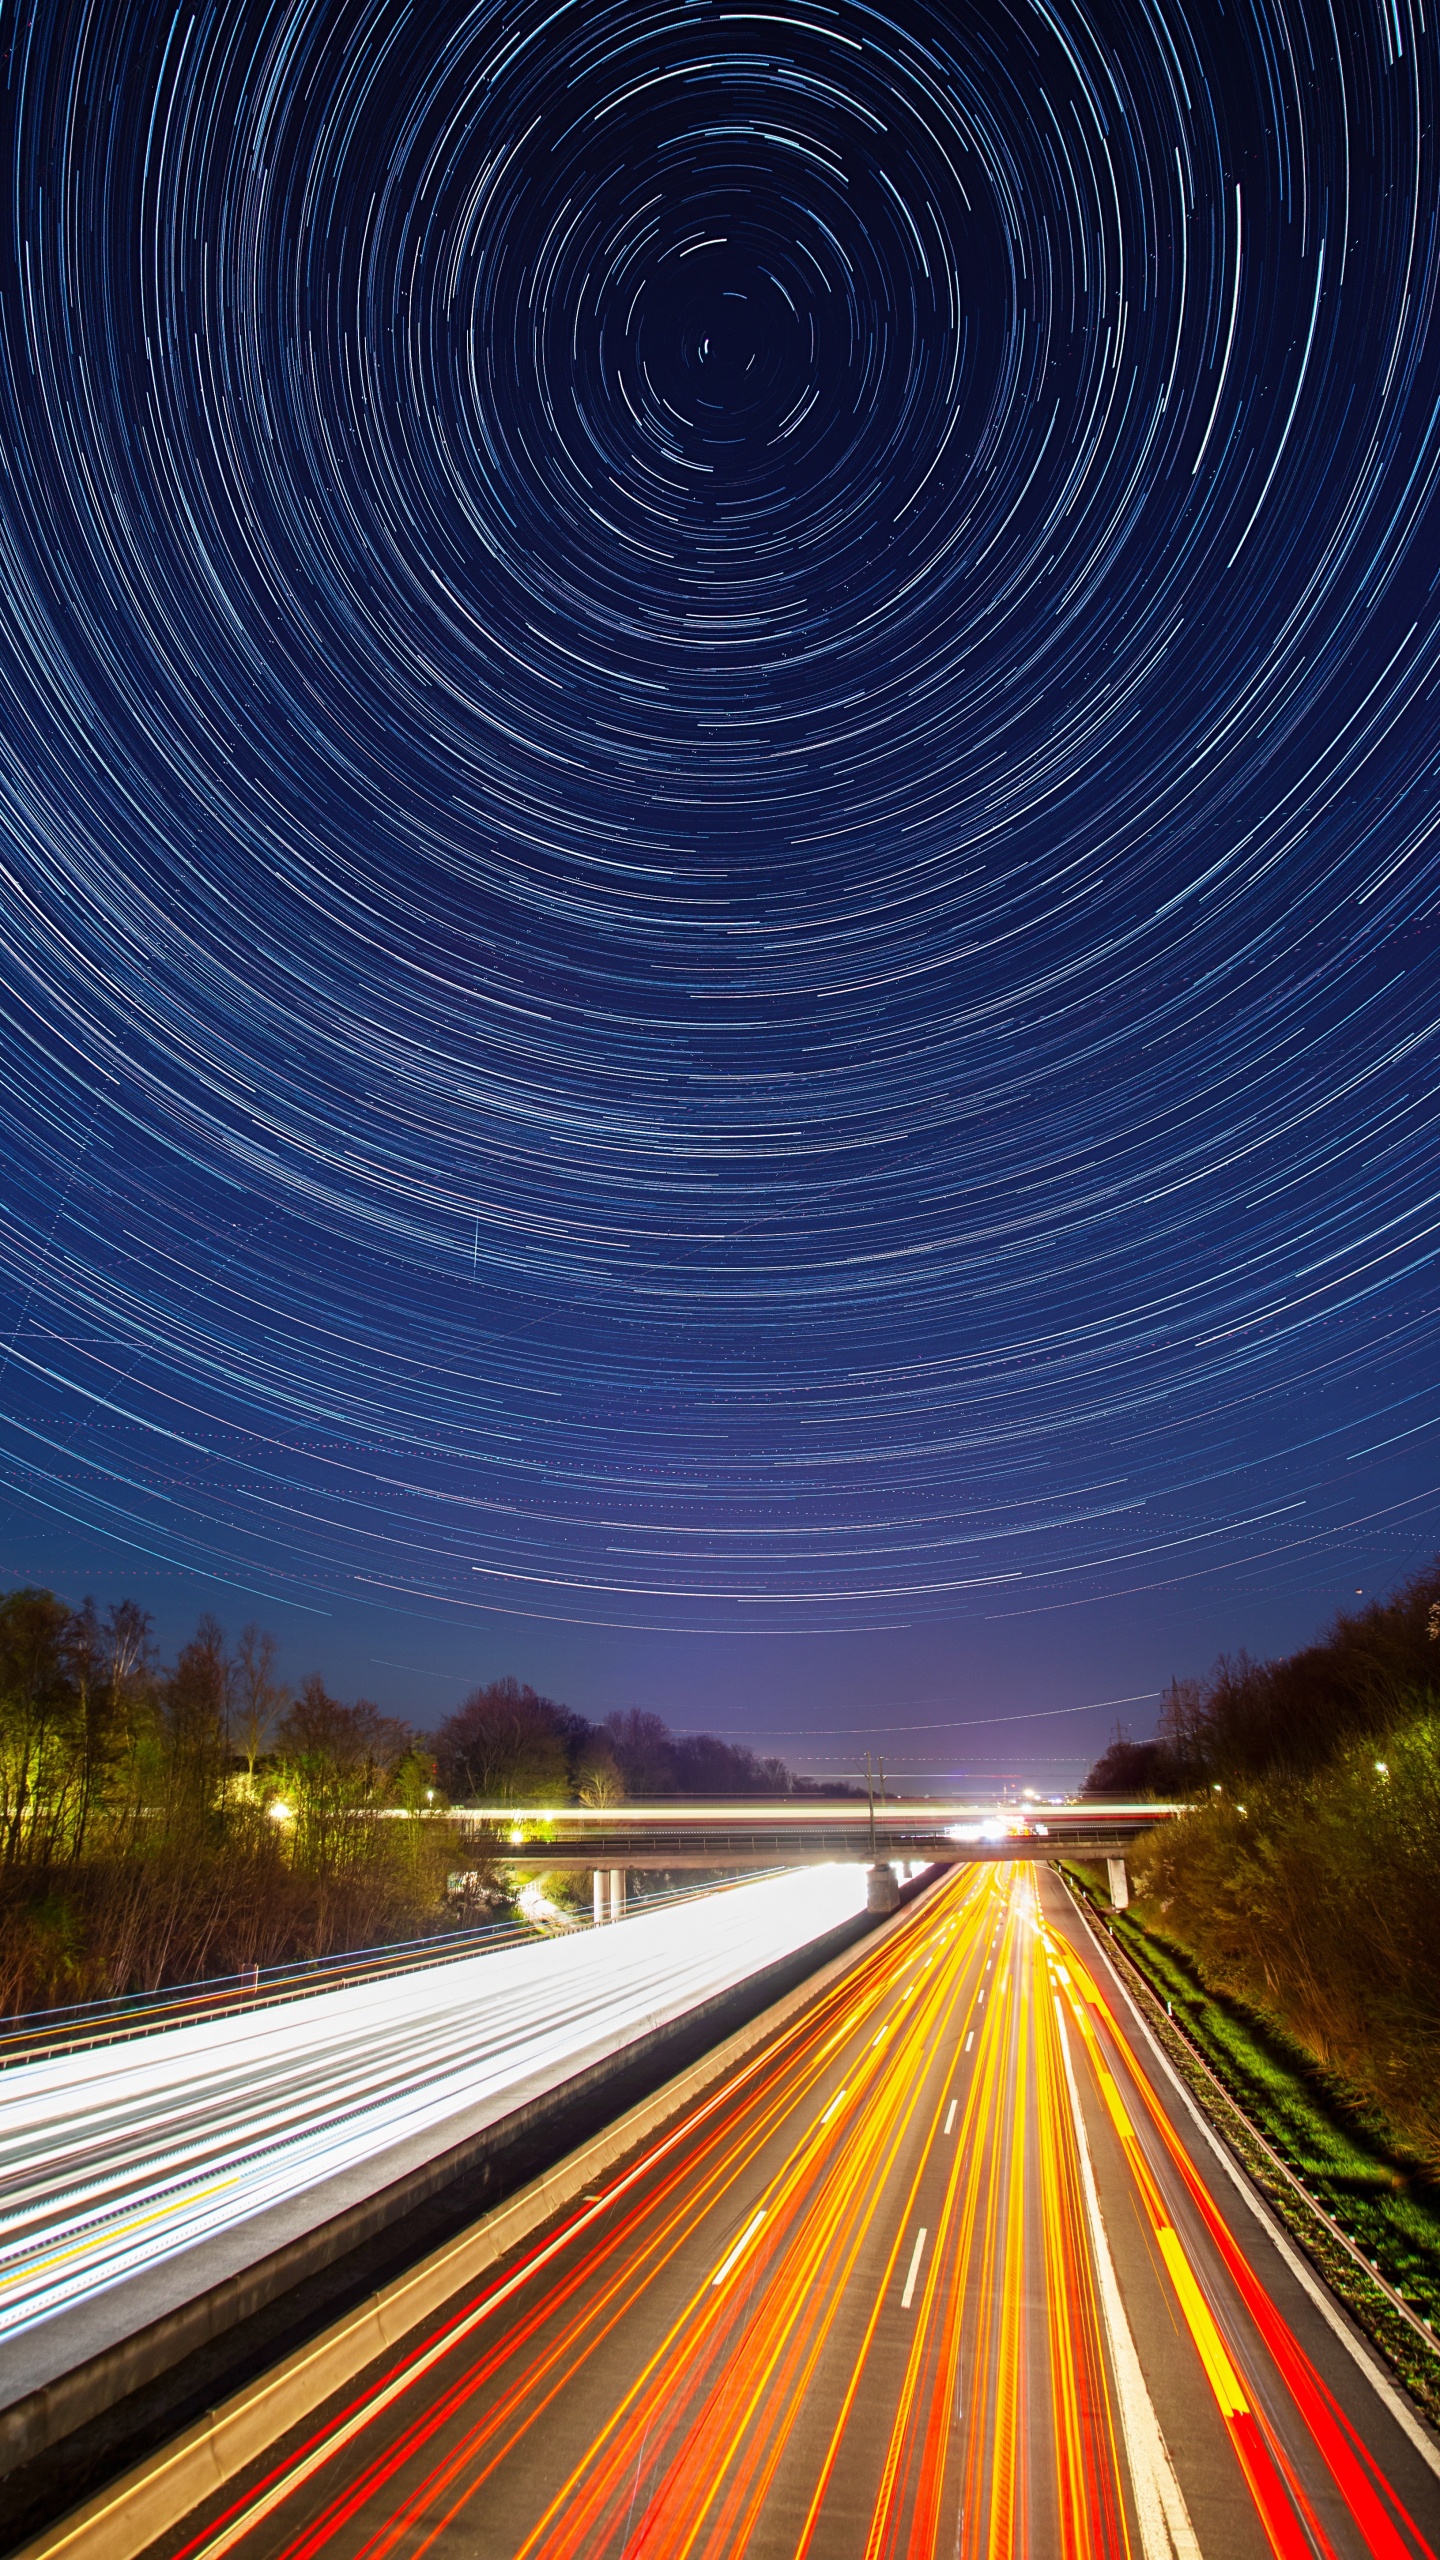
(718, 793)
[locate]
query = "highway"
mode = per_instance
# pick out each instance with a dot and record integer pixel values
(944, 2268)
(135, 2175)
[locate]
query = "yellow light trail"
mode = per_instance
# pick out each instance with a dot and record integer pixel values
(878, 2320)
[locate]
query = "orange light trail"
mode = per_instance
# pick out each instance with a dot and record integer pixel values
(860, 2301)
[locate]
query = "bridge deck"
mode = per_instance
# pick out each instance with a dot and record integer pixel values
(732, 1836)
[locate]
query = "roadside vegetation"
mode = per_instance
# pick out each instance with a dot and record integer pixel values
(1290, 1918)
(1304, 1880)
(166, 1823)
(1343, 2159)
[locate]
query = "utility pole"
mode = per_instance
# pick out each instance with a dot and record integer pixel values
(870, 1791)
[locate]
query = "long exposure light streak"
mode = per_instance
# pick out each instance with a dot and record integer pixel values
(717, 813)
(184, 2145)
(879, 2295)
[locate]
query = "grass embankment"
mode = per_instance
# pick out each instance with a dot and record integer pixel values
(1347, 2161)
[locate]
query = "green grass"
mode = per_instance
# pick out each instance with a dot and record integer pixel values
(1377, 2190)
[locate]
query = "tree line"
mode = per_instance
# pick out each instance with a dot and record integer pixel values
(1304, 1877)
(165, 1822)
(508, 1746)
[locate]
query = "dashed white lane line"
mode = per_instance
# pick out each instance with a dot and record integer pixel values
(741, 2245)
(916, 2255)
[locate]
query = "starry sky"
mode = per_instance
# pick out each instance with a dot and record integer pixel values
(718, 843)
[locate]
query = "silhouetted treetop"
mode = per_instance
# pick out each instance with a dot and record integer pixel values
(1246, 1719)
(506, 1745)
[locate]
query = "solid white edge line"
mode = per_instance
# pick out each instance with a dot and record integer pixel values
(1161, 2512)
(1362, 2353)
(917, 2253)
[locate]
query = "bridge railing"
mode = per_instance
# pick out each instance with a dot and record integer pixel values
(660, 1835)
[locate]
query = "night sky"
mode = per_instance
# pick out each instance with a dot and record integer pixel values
(719, 820)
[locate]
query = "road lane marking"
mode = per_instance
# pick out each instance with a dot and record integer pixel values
(232, 2527)
(1166, 2532)
(32, 2268)
(1319, 2294)
(1285, 2511)
(969, 2039)
(950, 2119)
(917, 2253)
(1230, 2394)
(741, 2245)
(838, 2100)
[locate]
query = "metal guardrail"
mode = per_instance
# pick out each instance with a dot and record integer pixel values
(101, 2022)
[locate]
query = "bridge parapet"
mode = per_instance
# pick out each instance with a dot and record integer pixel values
(735, 1835)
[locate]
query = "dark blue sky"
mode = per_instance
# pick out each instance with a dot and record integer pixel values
(719, 827)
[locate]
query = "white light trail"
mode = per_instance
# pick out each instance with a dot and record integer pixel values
(116, 2160)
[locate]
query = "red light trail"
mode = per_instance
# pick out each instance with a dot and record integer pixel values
(942, 2270)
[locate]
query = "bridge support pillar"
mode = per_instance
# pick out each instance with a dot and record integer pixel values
(617, 1893)
(602, 1896)
(1119, 1883)
(882, 1889)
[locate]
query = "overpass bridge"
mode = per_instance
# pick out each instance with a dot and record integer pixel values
(612, 1839)
(793, 1834)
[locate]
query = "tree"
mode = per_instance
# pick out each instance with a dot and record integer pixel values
(644, 1748)
(656, 1762)
(259, 1696)
(706, 1766)
(599, 1781)
(1130, 1769)
(195, 1703)
(113, 1668)
(41, 1750)
(1315, 1899)
(334, 1765)
(505, 1745)
(420, 1842)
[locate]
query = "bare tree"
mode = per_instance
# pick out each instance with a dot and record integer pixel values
(195, 1708)
(645, 1749)
(259, 1698)
(505, 1745)
(600, 1782)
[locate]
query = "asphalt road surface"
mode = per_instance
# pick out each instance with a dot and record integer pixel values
(948, 2267)
(136, 2174)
